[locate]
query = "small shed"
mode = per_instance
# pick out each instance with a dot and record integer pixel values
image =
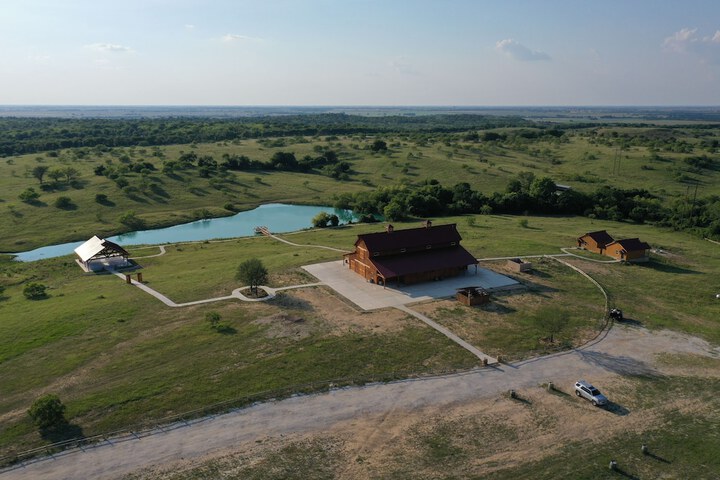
(470, 296)
(519, 265)
(98, 254)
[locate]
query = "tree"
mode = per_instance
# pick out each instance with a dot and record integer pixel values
(39, 172)
(35, 291)
(48, 412)
(70, 174)
(334, 220)
(378, 146)
(252, 272)
(321, 220)
(55, 174)
(551, 321)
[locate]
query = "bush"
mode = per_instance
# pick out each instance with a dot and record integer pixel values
(101, 198)
(131, 220)
(213, 318)
(48, 412)
(29, 195)
(35, 291)
(63, 202)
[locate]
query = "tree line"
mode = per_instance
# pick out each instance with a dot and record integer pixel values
(30, 135)
(528, 194)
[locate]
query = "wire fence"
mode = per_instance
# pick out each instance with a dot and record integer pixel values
(159, 425)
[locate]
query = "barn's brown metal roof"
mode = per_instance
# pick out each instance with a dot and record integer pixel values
(410, 238)
(423, 261)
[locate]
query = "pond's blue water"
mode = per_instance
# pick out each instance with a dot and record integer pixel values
(277, 217)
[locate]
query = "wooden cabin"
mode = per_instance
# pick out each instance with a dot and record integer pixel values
(595, 241)
(629, 249)
(411, 255)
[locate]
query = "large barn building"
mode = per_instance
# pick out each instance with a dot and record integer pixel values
(410, 256)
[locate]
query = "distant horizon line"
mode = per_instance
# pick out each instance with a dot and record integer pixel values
(150, 105)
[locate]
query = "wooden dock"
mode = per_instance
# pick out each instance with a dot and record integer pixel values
(262, 231)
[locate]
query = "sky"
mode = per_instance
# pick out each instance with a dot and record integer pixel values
(360, 52)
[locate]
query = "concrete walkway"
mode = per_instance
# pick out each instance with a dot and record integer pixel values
(474, 350)
(236, 294)
(271, 235)
(162, 252)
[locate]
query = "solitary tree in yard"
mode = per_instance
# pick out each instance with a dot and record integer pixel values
(252, 272)
(551, 321)
(48, 412)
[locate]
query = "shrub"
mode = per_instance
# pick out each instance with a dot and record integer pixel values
(29, 195)
(213, 318)
(35, 291)
(130, 219)
(48, 411)
(101, 198)
(63, 202)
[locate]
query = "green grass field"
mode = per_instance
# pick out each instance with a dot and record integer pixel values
(117, 356)
(160, 199)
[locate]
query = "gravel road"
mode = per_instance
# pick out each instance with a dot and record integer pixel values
(623, 350)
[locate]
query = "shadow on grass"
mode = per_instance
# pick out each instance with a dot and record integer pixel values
(226, 330)
(619, 364)
(667, 268)
(630, 322)
(616, 409)
(658, 458)
(625, 474)
(61, 433)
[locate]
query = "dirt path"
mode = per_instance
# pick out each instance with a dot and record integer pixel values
(622, 351)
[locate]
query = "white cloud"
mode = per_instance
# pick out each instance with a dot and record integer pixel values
(402, 66)
(109, 47)
(520, 52)
(234, 37)
(189, 26)
(687, 40)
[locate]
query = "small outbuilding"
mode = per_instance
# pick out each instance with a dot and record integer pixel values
(99, 254)
(629, 250)
(519, 265)
(470, 296)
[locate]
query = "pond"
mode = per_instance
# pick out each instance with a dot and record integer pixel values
(278, 217)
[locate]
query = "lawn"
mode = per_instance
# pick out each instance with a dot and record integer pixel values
(118, 357)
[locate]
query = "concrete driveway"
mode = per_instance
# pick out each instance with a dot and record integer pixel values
(369, 296)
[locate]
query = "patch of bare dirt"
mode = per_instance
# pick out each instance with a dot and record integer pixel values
(341, 317)
(285, 325)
